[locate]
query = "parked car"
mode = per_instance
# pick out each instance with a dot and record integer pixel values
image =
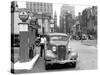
(58, 52)
(84, 37)
(77, 38)
(91, 37)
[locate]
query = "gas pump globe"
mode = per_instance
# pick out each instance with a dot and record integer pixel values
(23, 16)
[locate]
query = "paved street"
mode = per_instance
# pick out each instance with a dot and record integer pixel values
(87, 55)
(87, 58)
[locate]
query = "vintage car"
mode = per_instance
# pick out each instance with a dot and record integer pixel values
(58, 52)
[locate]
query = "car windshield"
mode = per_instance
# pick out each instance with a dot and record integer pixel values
(58, 38)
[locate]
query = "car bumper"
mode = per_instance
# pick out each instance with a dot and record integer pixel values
(61, 61)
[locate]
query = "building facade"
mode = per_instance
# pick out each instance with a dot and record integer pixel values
(40, 7)
(66, 18)
(55, 22)
(89, 21)
(43, 12)
(67, 9)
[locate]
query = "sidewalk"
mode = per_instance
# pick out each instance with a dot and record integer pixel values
(89, 42)
(26, 65)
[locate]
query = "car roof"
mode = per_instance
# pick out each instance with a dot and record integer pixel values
(63, 34)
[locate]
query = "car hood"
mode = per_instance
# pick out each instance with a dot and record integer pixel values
(59, 42)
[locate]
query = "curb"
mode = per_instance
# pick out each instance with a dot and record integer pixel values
(35, 60)
(26, 65)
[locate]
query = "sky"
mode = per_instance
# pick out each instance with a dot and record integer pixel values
(57, 7)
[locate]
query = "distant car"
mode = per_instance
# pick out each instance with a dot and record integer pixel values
(57, 51)
(91, 37)
(77, 38)
(84, 37)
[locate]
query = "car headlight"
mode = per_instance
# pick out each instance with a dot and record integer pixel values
(53, 48)
(50, 54)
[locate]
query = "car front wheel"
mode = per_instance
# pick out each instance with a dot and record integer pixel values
(47, 66)
(73, 64)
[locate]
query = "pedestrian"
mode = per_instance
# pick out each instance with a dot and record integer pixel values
(42, 44)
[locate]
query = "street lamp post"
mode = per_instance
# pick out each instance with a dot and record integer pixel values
(42, 22)
(51, 25)
(42, 25)
(64, 24)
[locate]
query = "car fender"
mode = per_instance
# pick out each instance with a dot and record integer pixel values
(49, 54)
(73, 55)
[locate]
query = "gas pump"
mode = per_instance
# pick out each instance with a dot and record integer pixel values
(27, 37)
(24, 40)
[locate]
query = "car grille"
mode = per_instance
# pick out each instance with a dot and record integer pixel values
(61, 52)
